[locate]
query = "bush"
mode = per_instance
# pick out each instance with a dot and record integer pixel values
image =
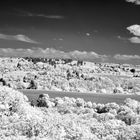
(66, 118)
(32, 85)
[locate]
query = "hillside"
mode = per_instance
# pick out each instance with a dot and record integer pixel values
(69, 75)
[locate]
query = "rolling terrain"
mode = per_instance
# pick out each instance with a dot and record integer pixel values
(68, 75)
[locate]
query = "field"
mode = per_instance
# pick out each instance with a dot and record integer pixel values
(97, 98)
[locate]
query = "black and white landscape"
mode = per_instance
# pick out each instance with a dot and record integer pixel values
(70, 70)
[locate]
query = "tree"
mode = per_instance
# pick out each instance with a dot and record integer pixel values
(132, 70)
(32, 85)
(3, 82)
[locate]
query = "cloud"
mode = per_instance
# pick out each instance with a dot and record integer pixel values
(75, 55)
(134, 29)
(91, 56)
(134, 40)
(126, 57)
(49, 16)
(83, 55)
(51, 53)
(19, 37)
(122, 38)
(87, 34)
(137, 2)
(34, 52)
(29, 14)
(24, 39)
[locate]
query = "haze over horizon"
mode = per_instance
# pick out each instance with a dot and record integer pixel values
(104, 31)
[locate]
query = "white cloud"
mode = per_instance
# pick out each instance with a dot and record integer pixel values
(75, 55)
(20, 37)
(87, 34)
(137, 2)
(134, 29)
(49, 16)
(24, 39)
(126, 57)
(84, 55)
(134, 40)
(122, 38)
(60, 39)
(34, 52)
(3, 36)
(29, 14)
(51, 53)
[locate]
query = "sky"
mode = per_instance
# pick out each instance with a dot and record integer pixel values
(105, 31)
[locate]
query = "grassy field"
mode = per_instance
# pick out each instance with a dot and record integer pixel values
(97, 98)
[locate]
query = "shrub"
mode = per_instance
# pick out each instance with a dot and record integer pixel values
(32, 85)
(66, 118)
